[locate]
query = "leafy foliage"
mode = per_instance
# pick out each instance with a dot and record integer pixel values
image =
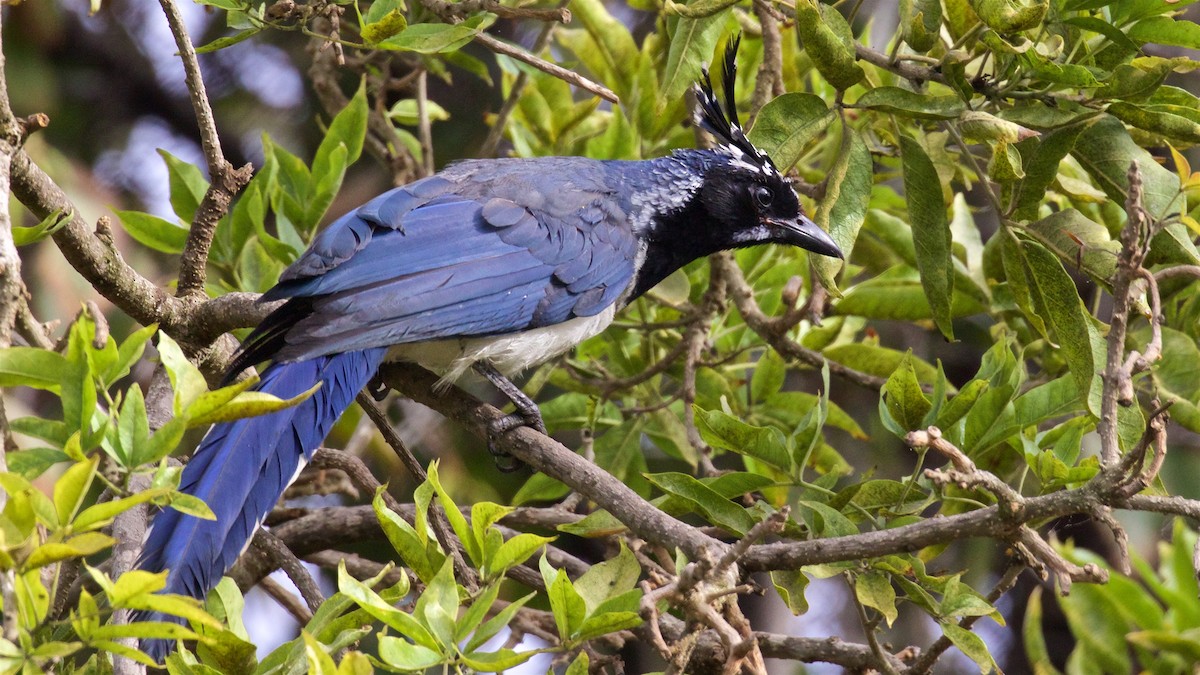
(977, 175)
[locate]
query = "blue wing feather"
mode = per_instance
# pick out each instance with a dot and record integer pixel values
(456, 258)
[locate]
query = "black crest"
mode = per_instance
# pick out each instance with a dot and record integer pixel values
(723, 123)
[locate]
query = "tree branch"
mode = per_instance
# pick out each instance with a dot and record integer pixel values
(224, 183)
(569, 76)
(550, 457)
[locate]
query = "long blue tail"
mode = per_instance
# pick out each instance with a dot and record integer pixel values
(242, 468)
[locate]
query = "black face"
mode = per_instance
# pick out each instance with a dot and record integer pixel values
(745, 204)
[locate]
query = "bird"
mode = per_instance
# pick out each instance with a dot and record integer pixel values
(493, 265)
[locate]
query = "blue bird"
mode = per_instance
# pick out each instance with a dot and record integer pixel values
(495, 265)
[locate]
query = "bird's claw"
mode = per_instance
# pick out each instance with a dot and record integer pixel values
(377, 388)
(502, 425)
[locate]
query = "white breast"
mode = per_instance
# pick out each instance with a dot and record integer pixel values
(510, 354)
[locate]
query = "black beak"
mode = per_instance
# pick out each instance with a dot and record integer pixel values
(807, 235)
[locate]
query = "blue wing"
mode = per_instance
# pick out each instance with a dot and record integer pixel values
(481, 250)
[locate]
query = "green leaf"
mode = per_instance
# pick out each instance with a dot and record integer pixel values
(1080, 241)
(100, 515)
(897, 294)
(1042, 167)
(843, 208)
(384, 18)
(579, 666)
(610, 52)
(828, 521)
(133, 430)
(78, 546)
(128, 353)
(71, 489)
(405, 111)
(405, 656)
(1105, 150)
(205, 411)
(791, 584)
(959, 600)
(609, 579)
(619, 452)
(692, 44)
(52, 223)
(879, 361)
(414, 550)
(1058, 300)
(920, 23)
(31, 367)
(30, 464)
(906, 401)
(515, 551)
(499, 661)
(931, 231)
(829, 41)
(874, 589)
(1005, 164)
(1164, 30)
(608, 622)
(490, 628)
(434, 38)
(1104, 641)
(715, 508)
(472, 545)
(186, 380)
(161, 443)
(787, 124)
(190, 505)
(437, 607)
(566, 604)
(478, 610)
(397, 619)
(911, 104)
(154, 232)
(725, 432)
(1011, 16)
(228, 41)
(770, 371)
(188, 186)
(540, 488)
(971, 645)
(1158, 119)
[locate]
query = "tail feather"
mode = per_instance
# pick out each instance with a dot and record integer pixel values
(242, 468)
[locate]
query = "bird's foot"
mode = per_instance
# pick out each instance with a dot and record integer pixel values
(527, 415)
(377, 388)
(502, 425)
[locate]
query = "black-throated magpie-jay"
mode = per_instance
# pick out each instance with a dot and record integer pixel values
(494, 264)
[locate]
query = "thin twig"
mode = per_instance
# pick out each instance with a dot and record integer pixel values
(441, 527)
(424, 128)
(225, 182)
(488, 148)
(568, 76)
(289, 601)
(285, 560)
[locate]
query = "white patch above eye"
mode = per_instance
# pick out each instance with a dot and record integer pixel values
(738, 159)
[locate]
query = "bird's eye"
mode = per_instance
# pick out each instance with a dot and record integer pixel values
(763, 196)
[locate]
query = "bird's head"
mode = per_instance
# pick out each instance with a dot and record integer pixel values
(746, 199)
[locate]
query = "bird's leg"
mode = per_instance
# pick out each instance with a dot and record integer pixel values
(527, 415)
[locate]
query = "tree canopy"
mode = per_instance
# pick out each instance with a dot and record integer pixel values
(987, 410)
